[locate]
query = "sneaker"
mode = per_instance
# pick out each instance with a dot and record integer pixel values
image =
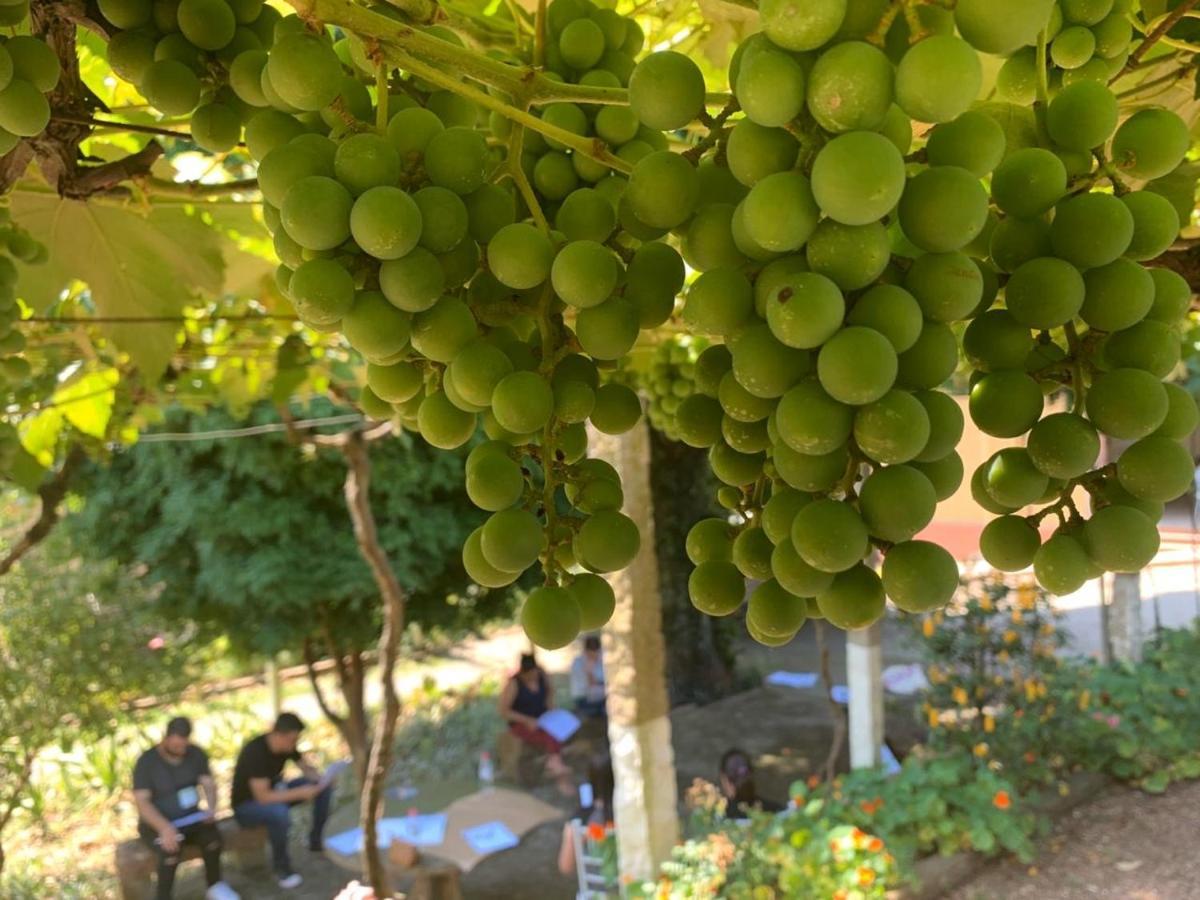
(290, 881)
(221, 891)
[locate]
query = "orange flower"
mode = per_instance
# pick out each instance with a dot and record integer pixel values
(960, 696)
(866, 876)
(840, 894)
(1011, 637)
(875, 845)
(927, 628)
(1001, 800)
(981, 749)
(933, 718)
(813, 781)
(1029, 757)
(595, 831)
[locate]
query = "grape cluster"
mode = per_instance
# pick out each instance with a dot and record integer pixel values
(29, 70)
(16, 245)
(410, 243)
(202, 58)
(669, 379)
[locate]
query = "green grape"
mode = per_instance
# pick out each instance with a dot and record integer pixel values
(413, 283)
(607, 541)
(805, 312)
(995, 340)
(919, 576)
(773, 277)
(698, 421)
(283, 166)
(945, 474)
(938, 79)
(1015, 242)
(268, 129)
(1113, 34)
(1064, 446)
(830, 536)
(709, 541)
(1110, 491)
(444, 220)
(947, 286)
(1150, 144)
(489, 208)
(522, 402)
(616, 124)
(716, 588)
(666, 90)
(1172, 296)
(494, 482)
(1012, 480)
(479, 569)
(617, 409)
(890, 310)
(170, 87)
(123, 13)
(397, 383)
(663, 189)
(581, 44)
(1073, 47)
(1086, 12)
(754, 151)
(476, 371)
(849, 87)
(780, 213)
(946, 425)
(441, 332)
(520, 256)
(654, 277)
(217, 128)
(364, 161)
(31, 59)
(794, 574)
(586, 215)
(595, 487)
(1029, 182)
(858, 178)
(893, 429)
(896, 502)
(857, 366)
(711, 366)
(774, 611)
(752, 554)
(780, 510)
(816, 474)
(444, 425)
(855, 599)
(1009, 543)
(574, 401)
(931, 360)
(460, 264)
(1182, 416)
(374, 327)
(852, 256)
(770, 88)
(1156, 468)
(131, 53)
(511, 540)
(610, 330)
(410, 131)
(1006, 404)
(1082, 116)
(585, 273)
(1155, 225)
(316, 213)
(719, 302)
(1001, 28)
(386, 223)
(1091, 230)
(1045, 293)
(209, 24)
(1120, 539)
(764, 366)
(1127, 403)
(733, 468)
(708, 242)
(596, 600)
(943, 209)
(551, 617)
(801, 26)
(322, 291)
(1016, 81)
(1149, 345)
(812, 422)
(457, 159)
(1061, 565)
(305, 71)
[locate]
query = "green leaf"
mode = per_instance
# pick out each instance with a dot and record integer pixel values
(1157, 783)
(25, 471)
(88, 402)
(39, 435)
(136, 263)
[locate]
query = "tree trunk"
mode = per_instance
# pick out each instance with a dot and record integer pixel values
(358, 501)
(639, 727)
(351, 726)
(700, 657)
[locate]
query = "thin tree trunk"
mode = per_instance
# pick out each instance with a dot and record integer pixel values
(835, 709)
(52, 493)
(14, 800)
(357, 487)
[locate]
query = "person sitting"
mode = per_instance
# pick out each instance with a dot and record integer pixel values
(592, 821)
(168, 781)
(736, 781)
(587, 680)
(526, 697)
(261, 798)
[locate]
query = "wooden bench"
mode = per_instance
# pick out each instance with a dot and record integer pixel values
(137, 863)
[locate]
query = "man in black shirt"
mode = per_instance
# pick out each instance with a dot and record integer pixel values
(167, 783)
(260, 797)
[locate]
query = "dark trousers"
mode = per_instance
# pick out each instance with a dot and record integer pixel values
(590, 709)
(203, 835)
(277, 818)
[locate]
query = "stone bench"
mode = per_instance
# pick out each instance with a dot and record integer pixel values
(137, 862)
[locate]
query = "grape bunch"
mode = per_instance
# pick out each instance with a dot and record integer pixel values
(16, 245)
(29, 70)
(668, 379)
(411, 242)
(200, 58)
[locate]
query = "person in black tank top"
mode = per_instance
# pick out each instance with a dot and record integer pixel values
(527, 696)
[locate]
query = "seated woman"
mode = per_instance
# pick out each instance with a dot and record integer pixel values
(527, 696)
(738, 788)
(589, 827)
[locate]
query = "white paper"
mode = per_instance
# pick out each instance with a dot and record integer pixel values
(334, 769)
(799, 680)
(840, 694)
(559, 724)
(891, 765)
(490, 837)
(418, 830)
(348, 843)
(905, 679)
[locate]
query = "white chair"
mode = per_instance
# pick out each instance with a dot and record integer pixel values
(589, 866)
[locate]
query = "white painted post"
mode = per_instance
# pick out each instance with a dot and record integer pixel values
(639, 726)
(1125, 617)
(864, 677)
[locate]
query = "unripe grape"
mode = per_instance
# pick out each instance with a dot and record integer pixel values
(850, 88)
(752, 554)
(1006, 404)
(1062, 566)
(852, 256)
(442, 331)
(931, 360)
(170, 87)
(801, 26)
(1182, 416)
(1009, 543)
(830, 536)
(374, 327)
(774, 611)
(322, 291)
(1001, 28)
(1150, 144)
(919, 576)
(780, 511)
(947, 286)
(938, 79)
(305, 71)
(1091, 230)
(806, 311)
(410, 131)
(608, 331)
(812, 422)
(1155, 224)
(396, 383)
(551, 617)
(698, 420)
(854, 600)
(666, 90)
(1127, 403)
(444, 425)
(716, 588)
(209, 24)
(585, 273)
(596, 600)
(754, 151)
(1172, 296)
(1082, 116)
(794, 574)
(1045, 293)
(943, 209)
(1149, 345)
(1029, 182)
(770, 88)
(479, 569)
(1013, 480)
(1064, 445)
(663, 189)
(494, 482)
(617, 409)
(945, 474)
(857, 366)
(607, 541)
(890, 310)
(894, 429)
(995, 340)
(709, 541)
(858, 178)
(1156, 468)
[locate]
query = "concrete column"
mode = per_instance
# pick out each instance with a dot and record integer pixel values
(275, 686)
(1125, 617)
(639, 728)
(864, 677)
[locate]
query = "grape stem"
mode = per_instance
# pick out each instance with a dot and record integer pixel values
(879, 35)
(539, 35)
(550, 459)
(1078, 387)
(1111, 172)
(716, 130)
(516, 144)
(1090, 482)
(381, 95)
(1043, 87)
(1169, 21)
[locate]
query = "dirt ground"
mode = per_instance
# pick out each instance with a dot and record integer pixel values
(1126, 845)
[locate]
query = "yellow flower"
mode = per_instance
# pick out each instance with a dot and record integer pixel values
(985, 603)
(1063, 789)
(1016, 616)
(1030, 690)
(981, 749)
(1011, 637)
(960, 696)
(989, 723)
(933, 718)
(927, 628)
(1026, 596)
(1002, 656)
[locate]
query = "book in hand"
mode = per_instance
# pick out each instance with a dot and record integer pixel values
(559, 724)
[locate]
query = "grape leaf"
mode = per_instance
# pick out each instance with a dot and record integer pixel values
(88, 402)
(136, 263)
